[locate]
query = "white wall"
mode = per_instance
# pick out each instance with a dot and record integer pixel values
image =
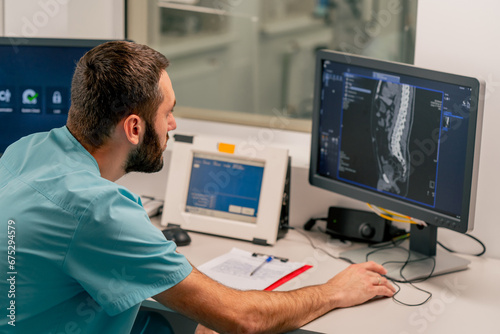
(92, 19)
(462, 36)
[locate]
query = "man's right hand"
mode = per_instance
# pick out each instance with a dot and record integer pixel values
(359, 283)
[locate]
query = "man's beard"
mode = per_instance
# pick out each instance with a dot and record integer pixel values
(148, 156)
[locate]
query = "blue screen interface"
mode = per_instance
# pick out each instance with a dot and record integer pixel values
(225, 187)
(398, 135)
(35, 86)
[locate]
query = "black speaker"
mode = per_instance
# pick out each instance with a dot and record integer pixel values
(359, 225)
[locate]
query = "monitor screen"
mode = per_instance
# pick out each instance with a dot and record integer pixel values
(397, 136)
(225, 187)
(35, 84)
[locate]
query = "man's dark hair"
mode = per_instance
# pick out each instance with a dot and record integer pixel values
(112, 81)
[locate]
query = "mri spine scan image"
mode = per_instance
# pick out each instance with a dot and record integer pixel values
(391, 123)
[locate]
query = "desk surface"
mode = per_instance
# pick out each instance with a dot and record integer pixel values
(462, 302)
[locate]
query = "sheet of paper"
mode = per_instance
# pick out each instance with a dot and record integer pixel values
(233, 269)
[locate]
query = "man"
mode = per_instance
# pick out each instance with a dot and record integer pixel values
(86, 253)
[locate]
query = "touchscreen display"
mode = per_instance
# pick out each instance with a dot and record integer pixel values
(225, 187)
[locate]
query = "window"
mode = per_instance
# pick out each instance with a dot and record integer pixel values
(249, 61)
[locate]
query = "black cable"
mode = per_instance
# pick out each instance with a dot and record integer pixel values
(319, 248)
(421, 280)
(376, 249)
(401, 270)
(391, 245)
(472, 237)
(394, 242)
(311, 222)
(405, 263)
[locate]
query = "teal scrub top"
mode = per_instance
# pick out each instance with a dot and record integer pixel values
(84, 253)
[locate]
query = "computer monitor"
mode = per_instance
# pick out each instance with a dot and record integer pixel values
(35, 82)
(402, 138)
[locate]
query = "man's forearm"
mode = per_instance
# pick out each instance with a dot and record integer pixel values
(278, 312)
(232, 311)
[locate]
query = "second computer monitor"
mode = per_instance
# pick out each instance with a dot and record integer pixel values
(35, 83)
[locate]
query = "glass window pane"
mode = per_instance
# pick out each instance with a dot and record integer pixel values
(251, 60)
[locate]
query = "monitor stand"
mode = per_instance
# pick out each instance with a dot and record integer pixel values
(422, 249)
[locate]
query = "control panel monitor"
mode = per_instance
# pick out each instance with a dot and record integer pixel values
(227, 190)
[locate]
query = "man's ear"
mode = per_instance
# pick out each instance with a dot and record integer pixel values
(133, 127)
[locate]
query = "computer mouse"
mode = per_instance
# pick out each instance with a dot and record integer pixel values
(177, 235)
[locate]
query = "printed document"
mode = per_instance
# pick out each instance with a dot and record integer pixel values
(234, 269)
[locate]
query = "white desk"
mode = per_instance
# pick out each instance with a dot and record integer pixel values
(462, 302)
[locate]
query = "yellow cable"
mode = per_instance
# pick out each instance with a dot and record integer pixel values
(394, 213)
(407, 219)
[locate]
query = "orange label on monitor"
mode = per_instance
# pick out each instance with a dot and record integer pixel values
(226, 148)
